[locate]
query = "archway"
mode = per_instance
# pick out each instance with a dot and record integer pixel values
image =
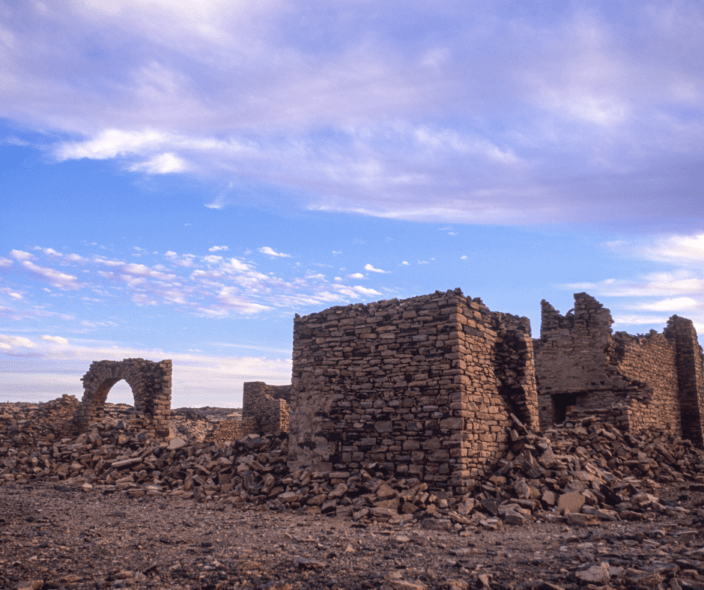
(150, 383)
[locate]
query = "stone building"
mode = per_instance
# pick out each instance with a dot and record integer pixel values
(423, 387)
(636, 382)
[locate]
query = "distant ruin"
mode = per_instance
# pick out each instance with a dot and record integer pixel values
(151, 386)
(265, 409)
(635, 382)
(422, 387)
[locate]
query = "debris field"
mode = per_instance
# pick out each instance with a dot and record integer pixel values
(579, 505)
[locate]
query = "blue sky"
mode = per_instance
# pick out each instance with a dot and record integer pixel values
(178, 179)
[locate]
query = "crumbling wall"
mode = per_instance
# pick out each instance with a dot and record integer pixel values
(690, 375)
(267, 406)
(635, 382)
(265, 409)
(650, 363)
(423, 387)
(150, 383)
(231, 430)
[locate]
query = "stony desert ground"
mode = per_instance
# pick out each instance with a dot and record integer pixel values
(579, 506)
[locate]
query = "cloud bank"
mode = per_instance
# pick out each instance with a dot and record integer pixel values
(478, 112)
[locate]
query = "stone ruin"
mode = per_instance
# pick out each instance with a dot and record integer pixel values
(423, 387)
(437, 387)
(150, 383)
(265, 410)
(634, 382)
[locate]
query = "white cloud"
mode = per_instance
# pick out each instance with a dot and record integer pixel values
(463, 257)
(21, 255)
(12, 342)
(370, 268)
(639, 320)
(58, 279)
(15, 295)
(167, 163)
(271, 252)
(356, 275)
(218, 249)
(678, 249)
(366, 291)
(673, 305)
(230, 298)
(5, 262)
(55, 339)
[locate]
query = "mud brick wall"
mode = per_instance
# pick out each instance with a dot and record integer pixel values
(422, 387)
(150, 383)
(267, 406)
(636, 382)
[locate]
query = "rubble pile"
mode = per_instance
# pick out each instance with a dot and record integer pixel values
(579, 473)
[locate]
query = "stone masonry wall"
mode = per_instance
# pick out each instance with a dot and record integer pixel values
(690, 374)
(636, 382)
(650, 362)
(267, 406)
(265, 409)
(150, 383)
(422, 387)
(230, 430)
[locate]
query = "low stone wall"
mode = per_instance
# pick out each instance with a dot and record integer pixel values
(422, 387)
(150, 383)
(231, 430)
(267, 406)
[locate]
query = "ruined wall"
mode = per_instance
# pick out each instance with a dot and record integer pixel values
(267, 406)
(650, 363)
(150, 383)
(690, 375)
(265, 409)
(635, 382)
(423, 387)
(230, 430)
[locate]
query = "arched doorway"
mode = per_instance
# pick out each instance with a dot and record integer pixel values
(150, 383)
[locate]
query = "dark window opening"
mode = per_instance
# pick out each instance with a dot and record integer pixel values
(562, 403)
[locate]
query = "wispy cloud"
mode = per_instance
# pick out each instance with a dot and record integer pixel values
(271, 252)
(679, 289)
(565, 114)
(211, 285)
(58, 279)
(370, 268)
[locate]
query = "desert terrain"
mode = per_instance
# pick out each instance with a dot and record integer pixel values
(578, 506)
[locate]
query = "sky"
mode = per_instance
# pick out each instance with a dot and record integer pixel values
(178, 179)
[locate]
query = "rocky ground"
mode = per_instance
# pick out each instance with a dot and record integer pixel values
(580, 506)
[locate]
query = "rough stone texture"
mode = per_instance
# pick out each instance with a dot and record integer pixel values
(266, 405)
(150, 383)
(635, 382)
(229, 430)
(265, 410)
(423, 387)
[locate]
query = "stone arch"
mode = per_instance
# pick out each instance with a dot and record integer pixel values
(150, 383)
